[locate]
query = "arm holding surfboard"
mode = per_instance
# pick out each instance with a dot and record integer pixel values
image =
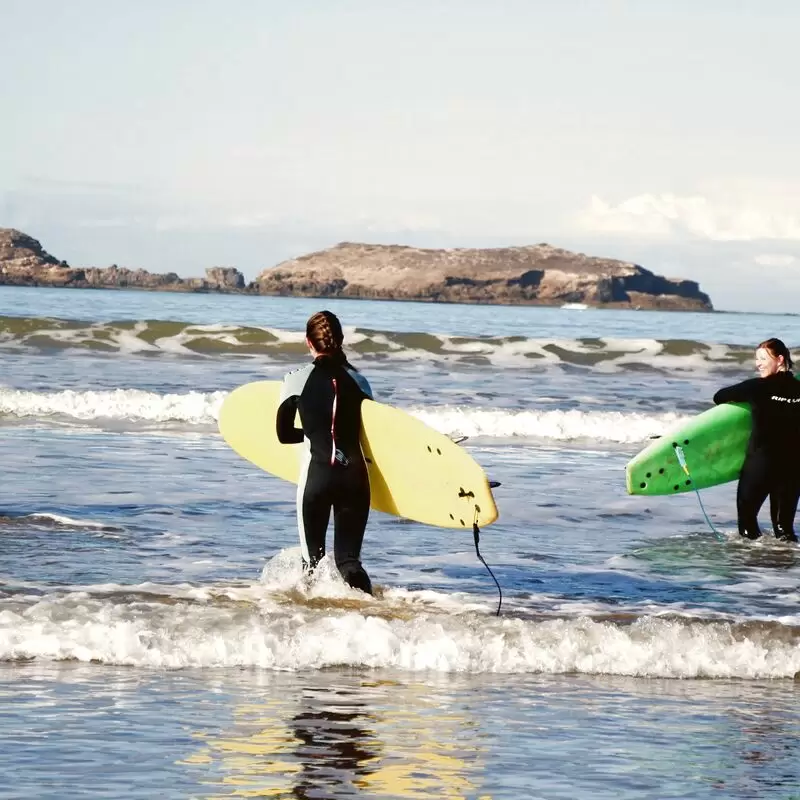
(287, 412)
(744, 392)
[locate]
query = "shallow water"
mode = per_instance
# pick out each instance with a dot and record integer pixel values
(108, 731)
(157, 637)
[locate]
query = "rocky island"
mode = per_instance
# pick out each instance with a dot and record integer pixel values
(24, 262)
(532, 275)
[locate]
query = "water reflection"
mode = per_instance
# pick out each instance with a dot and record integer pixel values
(370, 738)
(335, 744)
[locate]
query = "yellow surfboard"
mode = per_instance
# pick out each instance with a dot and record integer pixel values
(414, 471)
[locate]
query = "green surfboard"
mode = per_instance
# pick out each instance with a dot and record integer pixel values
(713, 444)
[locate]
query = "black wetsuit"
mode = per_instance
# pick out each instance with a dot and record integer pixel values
(333, 473)
(772, 464)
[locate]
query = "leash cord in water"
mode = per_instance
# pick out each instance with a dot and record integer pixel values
(476, 533)
(682, 461)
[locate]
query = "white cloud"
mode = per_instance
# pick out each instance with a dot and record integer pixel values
(695, 216)
(775, 260)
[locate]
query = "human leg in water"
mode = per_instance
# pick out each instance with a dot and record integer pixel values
(783, 507)
(313, 514)
(752, 491)
(350, 513)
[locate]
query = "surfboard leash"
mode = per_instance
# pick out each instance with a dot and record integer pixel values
(682, 461)
(476, 535)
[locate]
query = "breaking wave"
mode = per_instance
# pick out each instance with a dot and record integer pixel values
(120, 408)
(160, 338)
(257, 626)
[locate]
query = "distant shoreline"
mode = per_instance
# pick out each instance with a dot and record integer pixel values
(427, 301)
(391, 300)
(525, 275)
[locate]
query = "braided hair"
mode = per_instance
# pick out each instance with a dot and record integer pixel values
(776, 348)
(324, 331)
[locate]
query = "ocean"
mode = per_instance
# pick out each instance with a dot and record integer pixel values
(157, 638)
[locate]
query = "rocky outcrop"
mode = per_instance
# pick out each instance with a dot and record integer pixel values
(535, 275)
(24, 262)
(225, 279)
(19, 251)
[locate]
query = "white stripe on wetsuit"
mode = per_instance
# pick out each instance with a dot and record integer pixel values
(333, 421)
(305, 463)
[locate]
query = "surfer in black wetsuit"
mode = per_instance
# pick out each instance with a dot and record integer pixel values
(772, 463)
(333, 474)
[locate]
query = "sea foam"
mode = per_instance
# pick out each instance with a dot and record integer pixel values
(201, 409)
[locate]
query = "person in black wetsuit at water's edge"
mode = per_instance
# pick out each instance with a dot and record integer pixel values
(772, 464)
(333, 474)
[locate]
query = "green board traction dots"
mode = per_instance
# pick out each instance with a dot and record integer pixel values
(713, 442)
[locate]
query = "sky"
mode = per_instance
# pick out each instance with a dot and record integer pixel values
(176, 135)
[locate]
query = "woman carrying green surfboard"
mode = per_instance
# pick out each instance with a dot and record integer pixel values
(772, 464)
